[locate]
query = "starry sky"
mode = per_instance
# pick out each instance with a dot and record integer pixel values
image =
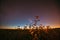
(15, 12)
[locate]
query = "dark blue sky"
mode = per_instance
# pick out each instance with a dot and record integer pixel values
(17, 12)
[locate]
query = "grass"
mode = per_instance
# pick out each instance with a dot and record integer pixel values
(18, 34)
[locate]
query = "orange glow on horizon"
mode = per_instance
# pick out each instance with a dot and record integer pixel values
(15, 27)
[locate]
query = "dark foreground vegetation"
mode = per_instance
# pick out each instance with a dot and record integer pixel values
(18, 34)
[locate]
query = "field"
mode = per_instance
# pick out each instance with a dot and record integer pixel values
(18, 34)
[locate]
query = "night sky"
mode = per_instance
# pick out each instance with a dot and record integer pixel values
(18, 13)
